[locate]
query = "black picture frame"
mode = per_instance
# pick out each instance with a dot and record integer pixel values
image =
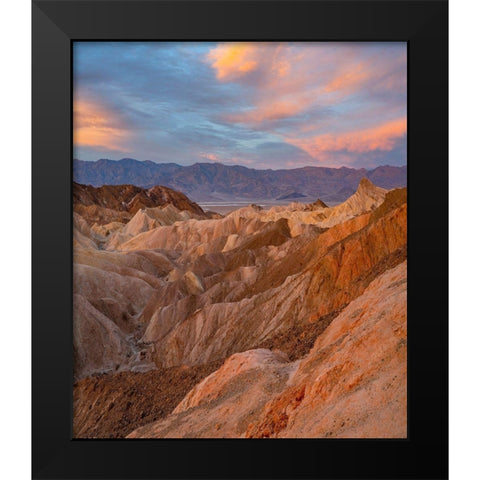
(424, 25)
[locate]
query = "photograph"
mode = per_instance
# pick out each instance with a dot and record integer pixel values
(239, 217)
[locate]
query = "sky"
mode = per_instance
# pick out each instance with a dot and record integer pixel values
(261, 105)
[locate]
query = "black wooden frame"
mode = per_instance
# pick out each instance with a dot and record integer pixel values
(424, 25)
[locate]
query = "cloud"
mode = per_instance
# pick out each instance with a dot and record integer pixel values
(348, 80)
(210, 156)
(271, 111)
(232, 60)
(382, 137)
(94, 125)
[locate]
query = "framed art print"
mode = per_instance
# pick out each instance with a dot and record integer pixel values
(240, 246)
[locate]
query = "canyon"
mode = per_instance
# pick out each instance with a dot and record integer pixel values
(281, 322)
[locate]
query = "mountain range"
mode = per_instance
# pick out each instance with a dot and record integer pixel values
(210, 182)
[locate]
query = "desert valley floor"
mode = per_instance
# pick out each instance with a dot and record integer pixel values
(281, 322)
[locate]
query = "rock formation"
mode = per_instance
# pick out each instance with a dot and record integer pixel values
(304, 305)
(128, 198)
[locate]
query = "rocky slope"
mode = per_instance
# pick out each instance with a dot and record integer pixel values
(111, 406)
(352, 383)
(215, 181)
(258, 289)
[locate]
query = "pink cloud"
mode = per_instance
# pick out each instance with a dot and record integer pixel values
(381, 137)
(210, 156)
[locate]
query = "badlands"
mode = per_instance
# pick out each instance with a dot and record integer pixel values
(286, 322)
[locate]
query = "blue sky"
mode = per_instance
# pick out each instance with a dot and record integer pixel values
(262, 105)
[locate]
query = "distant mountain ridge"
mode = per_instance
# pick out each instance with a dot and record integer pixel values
(216, 181)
